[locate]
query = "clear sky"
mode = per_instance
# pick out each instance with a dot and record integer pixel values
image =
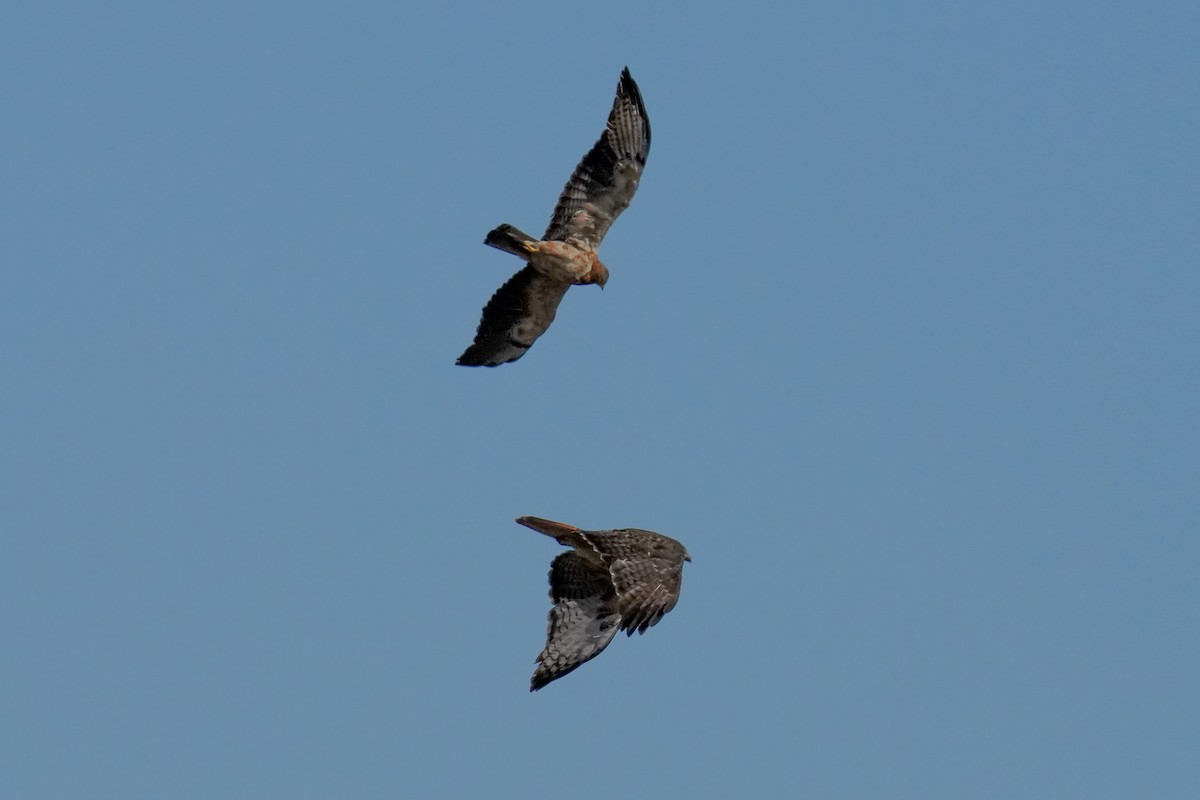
(900, 340)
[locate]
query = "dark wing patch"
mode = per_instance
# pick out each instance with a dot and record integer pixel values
(519, 312)
(583, 621)
(603, 184)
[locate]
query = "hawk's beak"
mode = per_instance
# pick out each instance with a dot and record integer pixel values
(687, 557)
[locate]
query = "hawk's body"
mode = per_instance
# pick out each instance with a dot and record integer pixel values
(599, 189)
(625, 579)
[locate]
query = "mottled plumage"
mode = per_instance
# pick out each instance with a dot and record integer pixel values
(599, 189)
(624, 579)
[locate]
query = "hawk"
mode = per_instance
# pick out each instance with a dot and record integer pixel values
(600, 188)
(620, 580)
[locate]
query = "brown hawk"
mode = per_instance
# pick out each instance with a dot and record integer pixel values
(624, 579)
(600, 188)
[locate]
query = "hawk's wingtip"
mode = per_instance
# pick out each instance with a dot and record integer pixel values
(540, 679)
(628, 88)
(472, 359)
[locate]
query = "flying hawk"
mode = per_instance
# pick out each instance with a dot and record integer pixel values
(600, 188)
(624, 579)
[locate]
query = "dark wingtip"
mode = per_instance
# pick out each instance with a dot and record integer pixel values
(469, 359)
(473, 359)
(629, 88)
(543, 677)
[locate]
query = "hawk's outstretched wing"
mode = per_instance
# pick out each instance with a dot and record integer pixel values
(583, 621)
(604, 182)
(519, 312)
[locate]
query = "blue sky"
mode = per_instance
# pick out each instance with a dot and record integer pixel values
(900, 340)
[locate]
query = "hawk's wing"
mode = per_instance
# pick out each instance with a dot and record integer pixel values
(583, 621)
(605, 180)
(647, 588)
(647, 572)
(519, 312)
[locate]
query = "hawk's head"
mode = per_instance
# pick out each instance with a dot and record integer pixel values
(597, 274)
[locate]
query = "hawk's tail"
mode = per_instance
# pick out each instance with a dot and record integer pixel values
(509, 239)
(566, 534)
